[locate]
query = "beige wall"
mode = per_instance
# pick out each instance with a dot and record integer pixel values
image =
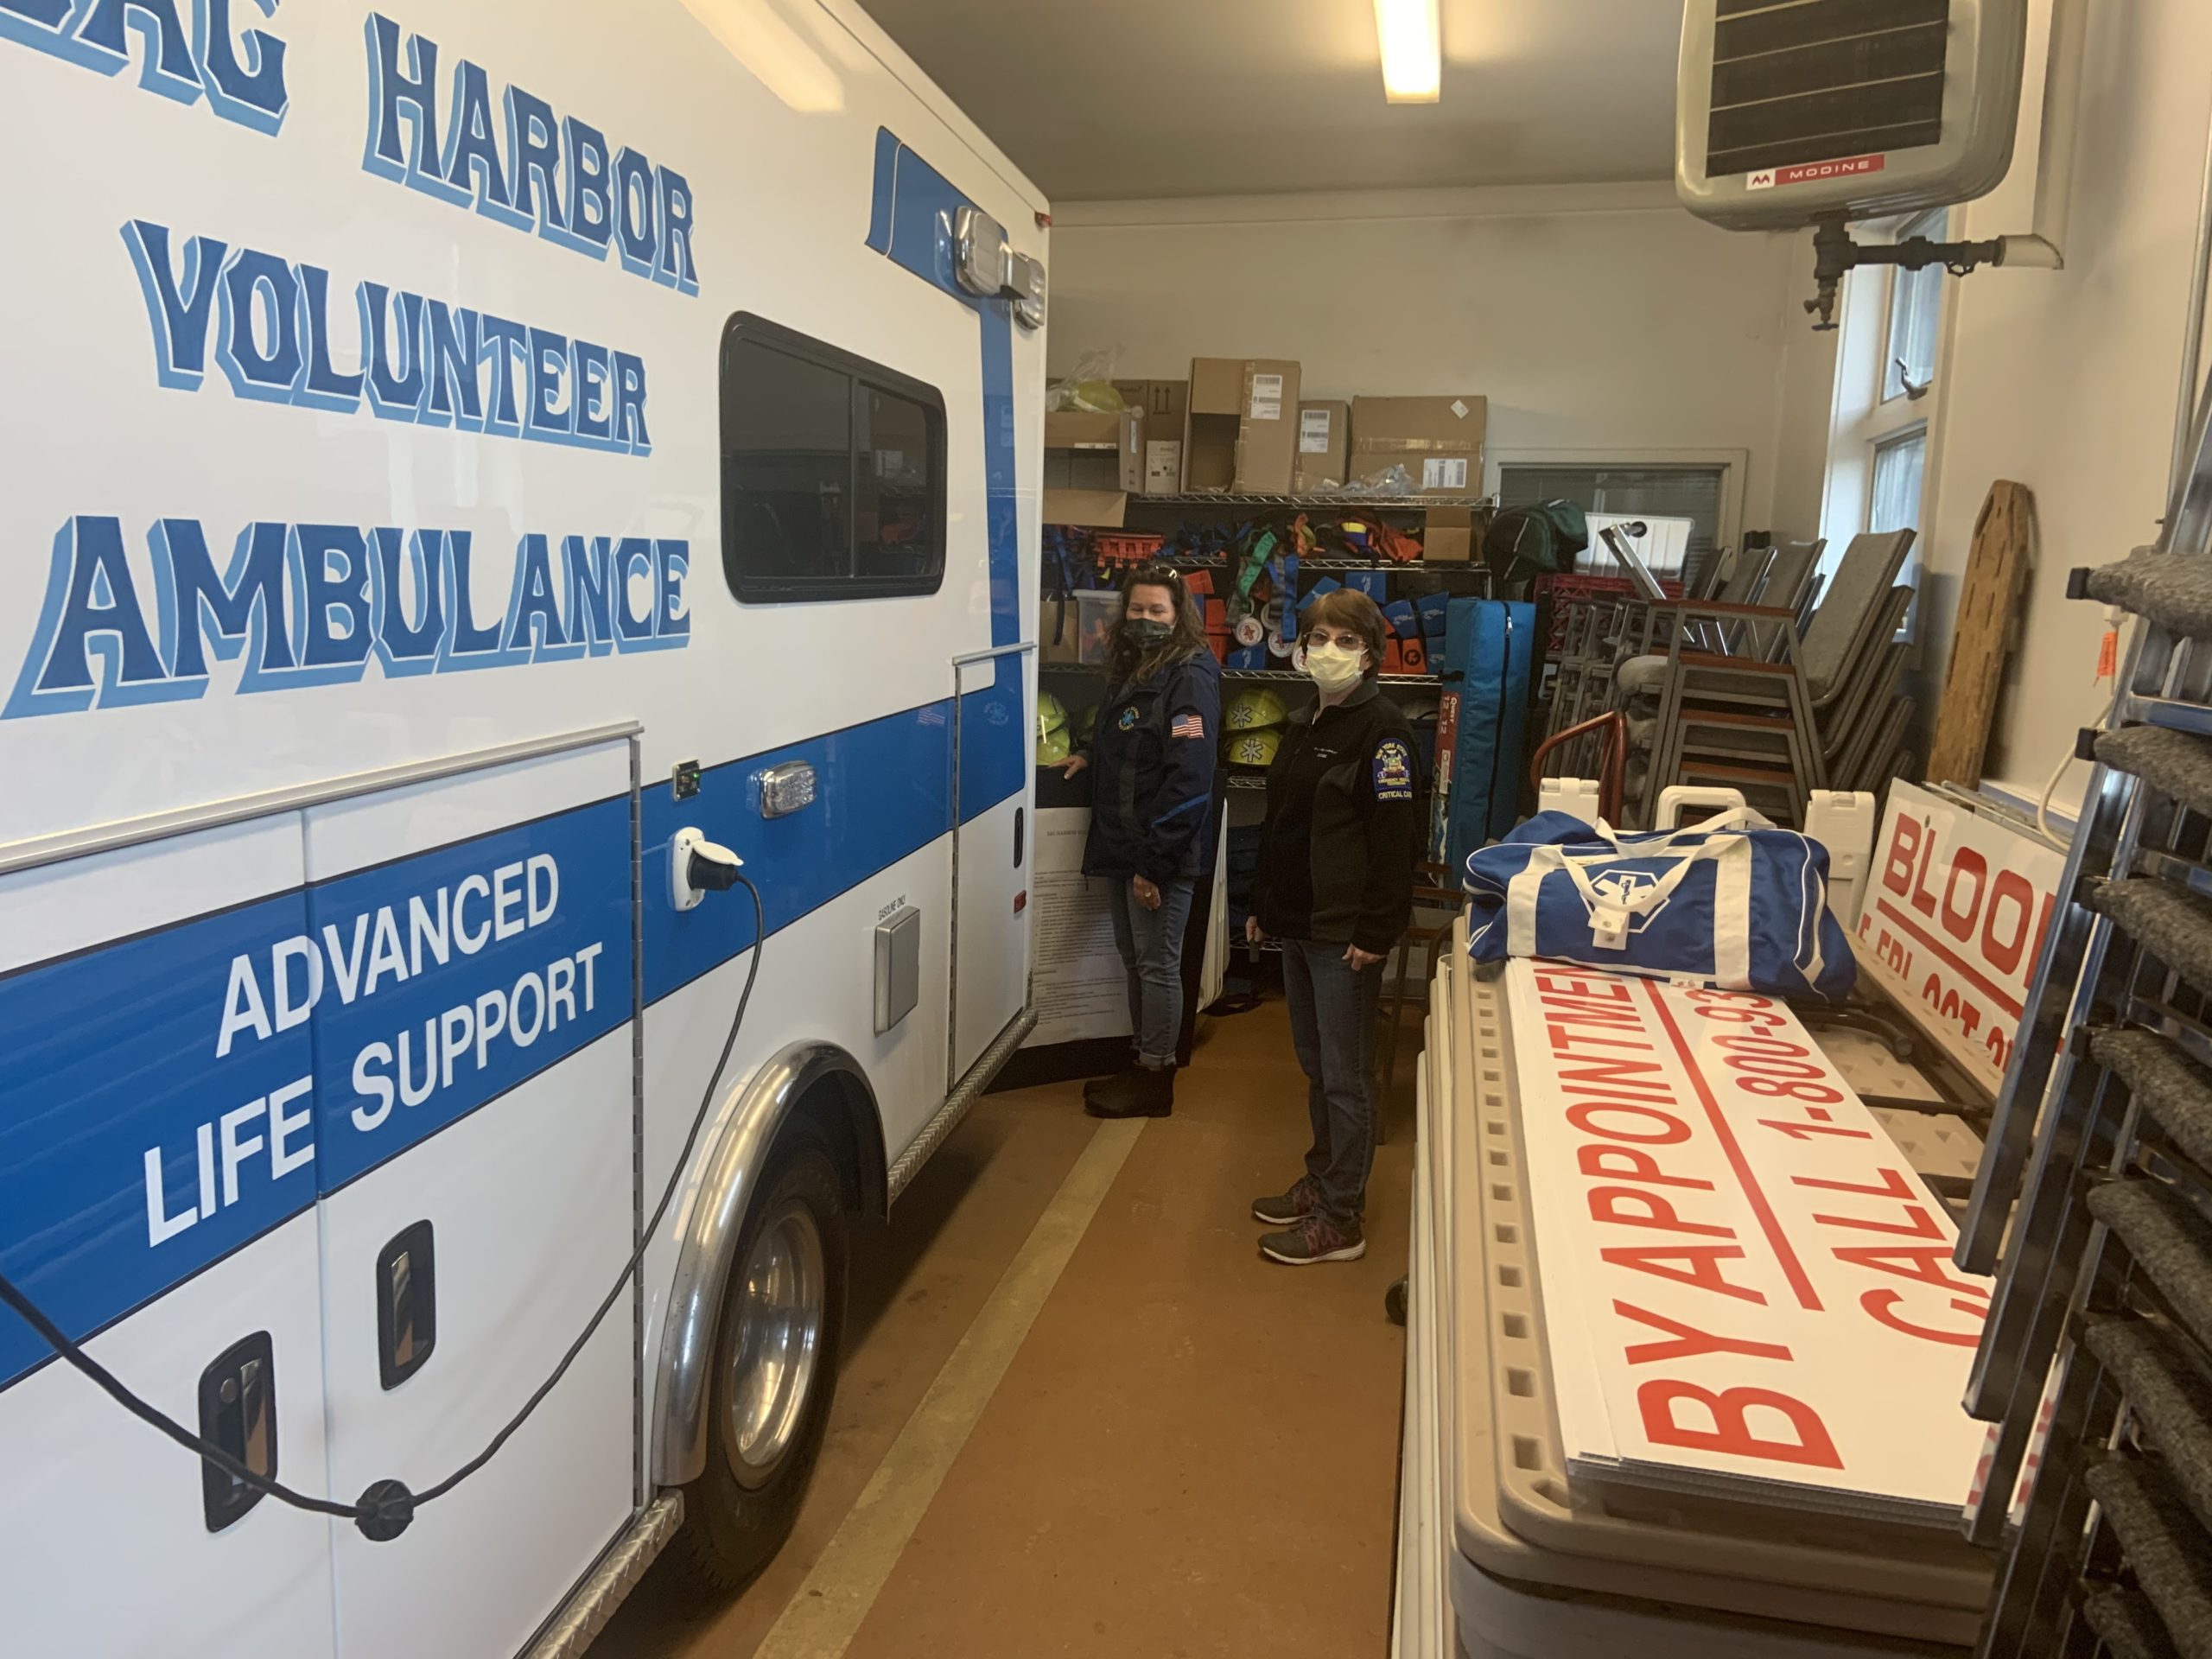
(2067, 380)
(1603, 321)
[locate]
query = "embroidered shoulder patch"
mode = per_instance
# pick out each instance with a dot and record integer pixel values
(1394, 772)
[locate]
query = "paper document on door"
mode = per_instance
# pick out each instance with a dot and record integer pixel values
(1078, 984)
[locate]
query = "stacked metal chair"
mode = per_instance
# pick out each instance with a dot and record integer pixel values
(2092, 1201)
(1853, 660)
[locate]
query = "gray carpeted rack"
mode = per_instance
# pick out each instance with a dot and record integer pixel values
(2093, 1205)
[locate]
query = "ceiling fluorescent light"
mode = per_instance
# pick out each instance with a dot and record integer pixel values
(1412, 55)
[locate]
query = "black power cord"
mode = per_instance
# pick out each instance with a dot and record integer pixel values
(386, 1509)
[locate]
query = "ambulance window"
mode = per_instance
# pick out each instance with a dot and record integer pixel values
(833, 471)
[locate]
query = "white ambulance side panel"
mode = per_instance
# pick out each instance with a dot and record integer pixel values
(114, 972)
(529, 1193)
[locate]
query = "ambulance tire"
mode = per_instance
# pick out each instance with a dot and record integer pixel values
(786, 1300)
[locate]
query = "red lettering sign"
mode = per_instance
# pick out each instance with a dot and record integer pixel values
(1732, 1431)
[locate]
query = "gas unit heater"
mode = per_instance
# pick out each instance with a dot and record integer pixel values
(1791, 112)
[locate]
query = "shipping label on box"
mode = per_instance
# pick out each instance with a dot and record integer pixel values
(1443, 473)
(1323, 444)
(1163, 466)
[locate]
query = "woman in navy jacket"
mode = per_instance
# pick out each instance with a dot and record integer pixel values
(1152, 761)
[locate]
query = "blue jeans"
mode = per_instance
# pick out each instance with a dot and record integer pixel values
(1332, 1008)
(1151, 943)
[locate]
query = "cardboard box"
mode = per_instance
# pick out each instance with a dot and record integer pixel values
(1093, 509)
(1452, 536)
(1324, 447)
(1163, 466)
(1119, 437)
(1438, 441)
(1162, 403)
(1242, 432)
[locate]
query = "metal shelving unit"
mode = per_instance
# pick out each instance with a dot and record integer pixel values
(1262, 676)
(2090, 1201)
(1372, 502)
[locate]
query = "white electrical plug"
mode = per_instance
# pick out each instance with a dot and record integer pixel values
(697, 867)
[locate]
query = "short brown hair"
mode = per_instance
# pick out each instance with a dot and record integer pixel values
(1348, 607)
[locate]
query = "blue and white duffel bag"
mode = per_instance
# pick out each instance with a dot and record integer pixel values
(1733, 900)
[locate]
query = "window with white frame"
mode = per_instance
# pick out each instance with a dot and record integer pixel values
(1885, 393)
(1693, 492)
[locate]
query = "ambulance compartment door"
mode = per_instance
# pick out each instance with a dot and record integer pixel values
(477, 1114)
(157, 1201)
(994, 740)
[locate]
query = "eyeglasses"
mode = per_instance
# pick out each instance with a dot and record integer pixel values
(1347, 637)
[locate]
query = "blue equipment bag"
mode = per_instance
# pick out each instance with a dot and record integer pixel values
(1490, 655)
(1732, 900)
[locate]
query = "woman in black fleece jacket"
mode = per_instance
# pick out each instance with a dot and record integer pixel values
(1336, 887)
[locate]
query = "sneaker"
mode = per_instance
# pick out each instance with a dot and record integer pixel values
(1291, 1207)
(1315, 1239)
(1142, 1092)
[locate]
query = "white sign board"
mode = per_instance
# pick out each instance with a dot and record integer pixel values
(1953, 921)
(1745, 1290)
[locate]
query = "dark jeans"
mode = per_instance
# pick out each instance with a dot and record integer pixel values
(1333, 1027)
(1151, 943)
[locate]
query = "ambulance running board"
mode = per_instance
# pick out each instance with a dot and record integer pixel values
(964, 1095)
(573, 1630)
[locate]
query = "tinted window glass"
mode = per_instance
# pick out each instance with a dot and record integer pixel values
(788, 466)
(833, 471)
(894, 529)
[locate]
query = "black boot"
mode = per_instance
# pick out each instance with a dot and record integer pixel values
(1093, 1089)
(1143, 1091)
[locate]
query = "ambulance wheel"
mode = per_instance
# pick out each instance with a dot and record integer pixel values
(775, 1367)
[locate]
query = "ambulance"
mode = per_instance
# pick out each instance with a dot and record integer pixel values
(518, 525)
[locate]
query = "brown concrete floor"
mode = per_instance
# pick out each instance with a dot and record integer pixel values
(1194, 1453)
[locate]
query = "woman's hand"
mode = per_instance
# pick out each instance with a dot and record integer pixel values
(1074, 764)
(1359, 959)
(1254, 934)
(1147, 894)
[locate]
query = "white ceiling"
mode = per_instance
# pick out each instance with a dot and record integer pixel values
(1116, 99)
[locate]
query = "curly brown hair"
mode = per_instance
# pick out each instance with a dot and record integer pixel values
(1127, 662)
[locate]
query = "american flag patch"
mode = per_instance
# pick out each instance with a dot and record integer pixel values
(1188, 726)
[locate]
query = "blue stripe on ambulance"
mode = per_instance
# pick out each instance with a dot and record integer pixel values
(117, 1047)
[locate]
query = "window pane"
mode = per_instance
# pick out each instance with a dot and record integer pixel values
(1691, 492)
(1898, 466)
(893, 523)
(787, 438)
(1915, 307)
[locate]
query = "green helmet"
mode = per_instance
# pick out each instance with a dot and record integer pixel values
(1254, 748)
(1053, 747)
(1051, 716)
(1253, 710)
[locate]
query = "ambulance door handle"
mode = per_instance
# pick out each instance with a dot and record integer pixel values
(238, 1412)
(1017, 837)
(407, 1304)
